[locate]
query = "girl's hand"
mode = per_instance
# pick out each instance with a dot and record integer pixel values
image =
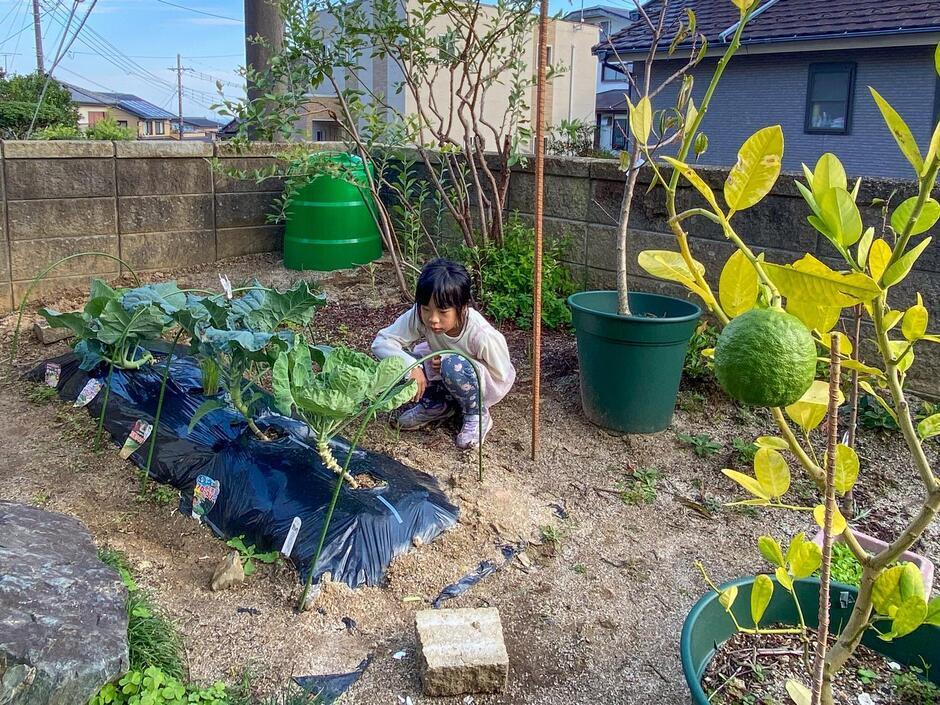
(417, 374)
(436, 364)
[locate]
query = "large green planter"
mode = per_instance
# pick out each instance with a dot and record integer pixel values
(631, 365)
(708, 626)
(330, 221)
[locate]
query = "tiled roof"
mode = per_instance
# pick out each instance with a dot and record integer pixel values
(200, 122)
(596, 10)
(125, 101)
(611, 101)
(790, 20)
(86, 97)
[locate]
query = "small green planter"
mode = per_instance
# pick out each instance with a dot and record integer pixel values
(631, 365)
(708, 626)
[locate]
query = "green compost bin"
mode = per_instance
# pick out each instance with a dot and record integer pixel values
(330, 222)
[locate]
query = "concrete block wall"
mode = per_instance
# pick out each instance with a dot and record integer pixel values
(155, 205)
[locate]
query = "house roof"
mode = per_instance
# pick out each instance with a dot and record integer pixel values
(201, 122)
(127, 102)
(611, 101)
(598, 10)
(789, 20)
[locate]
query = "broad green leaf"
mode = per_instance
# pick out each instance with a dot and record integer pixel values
(878, 258)
(828, 174)
(738, 285)
(845, 345)
(811, 280)
(206, 407)
(75, 322)
(841, 216)
(928, 217)
(929, 427)
(774, 442)
(747, 482)
(933, 149)
(783, 577)
(146, 322)
(933, 612)
(727, 597)
(806, 560)
(846, 472)
(900, 131)
(693, 178)
(641, 119)
(862, 368)
(885, 592)
(756, 169)
(761, 592)
(165, 295)
(910, 615)
(864, 247)
(914, 323)
(772, 472)
(892, 318)
(864, 384)
(903, 352)
(838, 521)
(799, 693)
(911, 583)
(897, 271)
(810, 410)
(665, 264)
(281, 384)
(770, 549)
(295, 306)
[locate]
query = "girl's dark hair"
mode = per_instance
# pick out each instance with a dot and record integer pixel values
(447, 283)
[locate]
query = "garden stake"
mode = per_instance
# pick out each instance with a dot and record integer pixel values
(848, 502)
(822, 634)
(539, 207)
(156, 418)
(41, 275)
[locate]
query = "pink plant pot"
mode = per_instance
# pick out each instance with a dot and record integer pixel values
(873, 545)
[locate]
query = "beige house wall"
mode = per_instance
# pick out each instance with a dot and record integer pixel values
(133, 122)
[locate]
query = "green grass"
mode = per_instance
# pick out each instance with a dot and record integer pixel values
(702, 444)
(151, 637)
(914, 690)
(41, 393)
(639, 487)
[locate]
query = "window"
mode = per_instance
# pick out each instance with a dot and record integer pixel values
(611, 73)
(159, 124)
(95, 116)
(122, 123)
(548, 51)
(829, 93)
(605, 28)
(618, 140)
(148, 127)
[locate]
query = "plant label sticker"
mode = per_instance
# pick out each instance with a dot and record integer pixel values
(291, 537)
(136, 438)
(205, 494)
(89, 392)
(53, 372)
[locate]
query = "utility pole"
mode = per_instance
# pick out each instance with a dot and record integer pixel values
(179, 68)
(37, 28)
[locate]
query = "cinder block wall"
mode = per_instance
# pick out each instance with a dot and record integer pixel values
(155, 205)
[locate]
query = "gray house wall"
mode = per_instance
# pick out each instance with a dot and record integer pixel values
(766, 89)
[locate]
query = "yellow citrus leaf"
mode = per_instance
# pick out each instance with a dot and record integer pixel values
(929, 427)
(847, 465)
(811, 280)
(897, 271)
(727, 597)
(884, 405)
(799, 693)
(810, 410)
(864, 246)
(878, 258)
(770, 550)
(933, 612)
(903, 352)
(756, 169)
(891, 319)
(665, 264)
(820, 318)
(772, 472)
(641, 119)
(845, 345)
(911, 583)
(932, 150)
(738, 285)
(900, 131)
(925, 221)
(910, 615)
(774, 442)
(838, 521)
(806, 560)
(829, 173)
(885, 592)
(914, 323)
(693, 178)
(841, 216)
(747, 482)
(761, 592)
(783, 577)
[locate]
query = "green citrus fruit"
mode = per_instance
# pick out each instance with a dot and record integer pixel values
(765, 357)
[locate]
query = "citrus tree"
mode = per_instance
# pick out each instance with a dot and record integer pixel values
(774, 315)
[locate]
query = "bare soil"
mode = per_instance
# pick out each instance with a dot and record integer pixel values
(593, 612)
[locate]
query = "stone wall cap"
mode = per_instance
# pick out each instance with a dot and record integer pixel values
(56, 149)
(272, 149)
(142, 149)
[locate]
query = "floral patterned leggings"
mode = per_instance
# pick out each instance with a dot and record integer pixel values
(456, 386)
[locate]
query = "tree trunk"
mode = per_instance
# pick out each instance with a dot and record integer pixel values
(623, 229)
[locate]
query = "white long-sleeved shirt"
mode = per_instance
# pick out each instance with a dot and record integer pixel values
(478, 340)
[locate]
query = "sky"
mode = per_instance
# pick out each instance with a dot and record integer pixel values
(128, 46)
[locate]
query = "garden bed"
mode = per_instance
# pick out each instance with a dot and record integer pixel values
(593, 614)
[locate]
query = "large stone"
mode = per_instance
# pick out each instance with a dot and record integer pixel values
(66, 217)
(232, 242)
(63, 616)
(150, 177)
(156, 214)
(59, 178)
(462, 651)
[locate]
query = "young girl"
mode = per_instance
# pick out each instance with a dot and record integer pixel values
(444, 318)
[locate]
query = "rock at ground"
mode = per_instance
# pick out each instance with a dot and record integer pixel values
(462, 651)
(228, 573)
(63, 613)
(47, 335)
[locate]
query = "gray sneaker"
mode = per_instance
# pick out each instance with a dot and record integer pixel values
(421, 415)
(469, 436)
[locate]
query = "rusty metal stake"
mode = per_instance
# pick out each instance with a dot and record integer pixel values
(539, 188)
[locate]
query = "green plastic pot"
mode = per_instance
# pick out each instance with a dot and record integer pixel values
(708, 626)
(330, 222)
(631, 365)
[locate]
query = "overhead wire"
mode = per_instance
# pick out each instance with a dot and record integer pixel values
(200, 12)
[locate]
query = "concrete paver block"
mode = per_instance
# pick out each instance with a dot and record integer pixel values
(462, 651)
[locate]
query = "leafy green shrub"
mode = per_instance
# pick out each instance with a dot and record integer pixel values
(152, 686)
(697, 367)
(59, 132)
(914, 689)
(152, 640)
(108, 129)
(19, 97)
(873, 415)
(504, 278)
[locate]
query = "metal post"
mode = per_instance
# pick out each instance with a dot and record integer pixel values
(179, 91)
(539, 207)
(37, 29)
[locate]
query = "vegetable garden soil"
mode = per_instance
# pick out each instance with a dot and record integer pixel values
(592, 614)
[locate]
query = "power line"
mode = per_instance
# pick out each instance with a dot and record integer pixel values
(201, 12)
(206, 56)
